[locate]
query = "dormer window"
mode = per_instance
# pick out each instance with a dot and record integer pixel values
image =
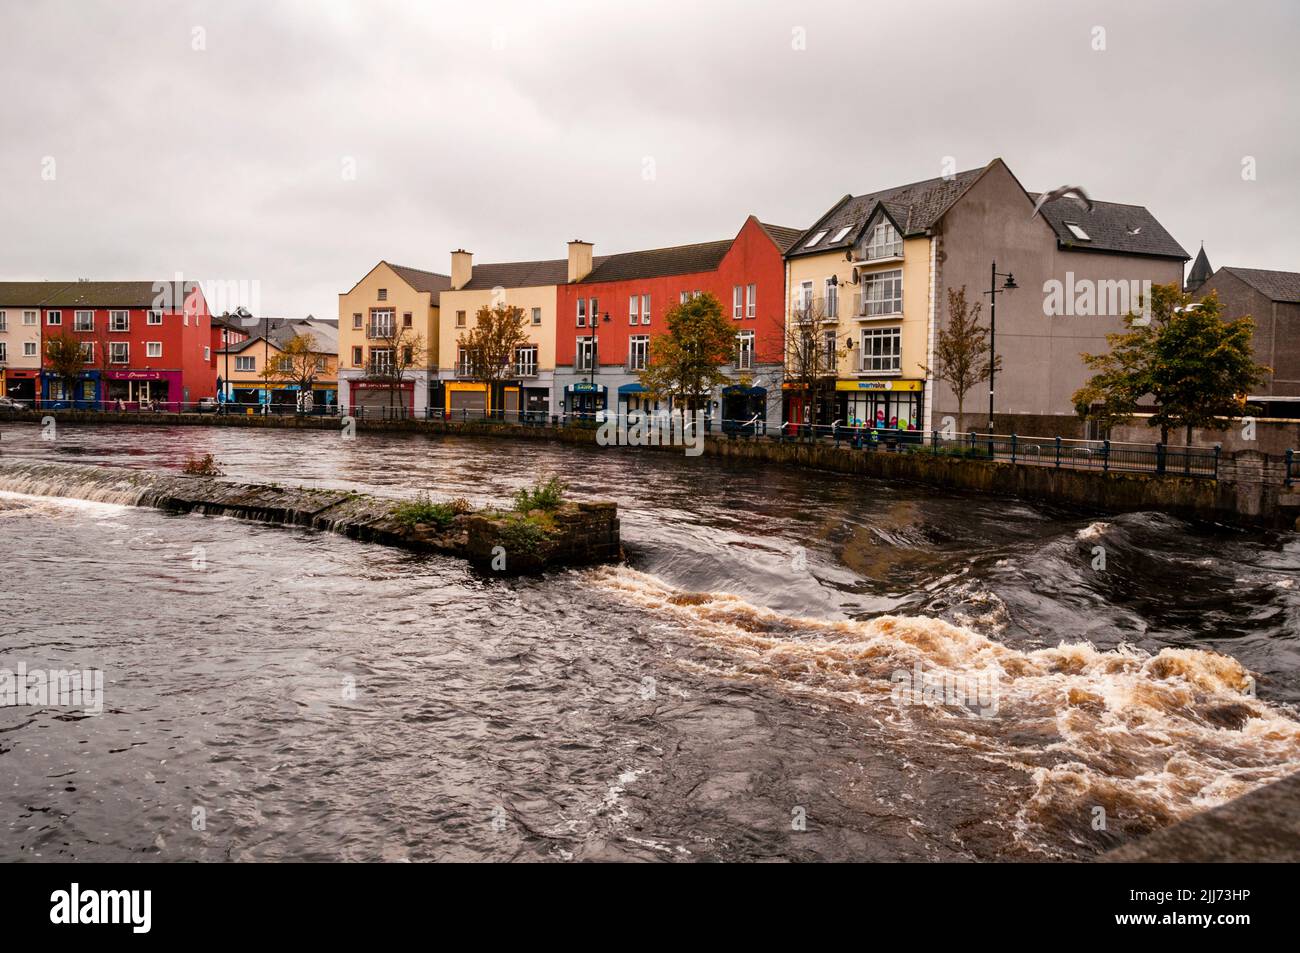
(816, 239)
(1077, 231)
(884, 242)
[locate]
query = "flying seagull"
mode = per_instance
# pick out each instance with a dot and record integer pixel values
(1061, 193)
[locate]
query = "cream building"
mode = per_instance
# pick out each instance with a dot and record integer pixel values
(392, 309)
(528, 285)
(871, 279)
(20, 337)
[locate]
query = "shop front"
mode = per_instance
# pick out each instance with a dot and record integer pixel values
(58, 393)
(382, 398)
(585, 400)
(882, 404)
(744, 409)
(21, 384)
(465, 399)
(144, 390)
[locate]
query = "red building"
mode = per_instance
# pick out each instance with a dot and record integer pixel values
(146, 344)
(607, 317)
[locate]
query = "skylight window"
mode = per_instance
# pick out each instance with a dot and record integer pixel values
(816, 239)
(1077, 231)
(839, 236)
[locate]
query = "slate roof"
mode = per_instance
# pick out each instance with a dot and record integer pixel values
(1276, 285)
(79, 294)
(422, 280)
(656, 262)
(280, 330)
(1110, 226)
(519, 274)
(783, 237)
(913, 207)
(1201, 271)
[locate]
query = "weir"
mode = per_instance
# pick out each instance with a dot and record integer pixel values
(574, 534)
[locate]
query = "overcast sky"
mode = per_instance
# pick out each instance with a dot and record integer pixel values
(216, 138)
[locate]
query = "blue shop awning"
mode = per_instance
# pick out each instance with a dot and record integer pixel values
(632, 389)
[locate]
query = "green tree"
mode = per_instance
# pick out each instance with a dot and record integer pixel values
(66, 358)
(961, 350)
(685, 364)
(1197, 367)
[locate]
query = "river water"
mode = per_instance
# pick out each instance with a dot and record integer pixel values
(735, 692)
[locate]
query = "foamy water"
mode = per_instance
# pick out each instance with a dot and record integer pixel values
(1157, 737)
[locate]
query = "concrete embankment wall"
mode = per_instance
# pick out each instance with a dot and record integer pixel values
(1249, 490)
(579, 533)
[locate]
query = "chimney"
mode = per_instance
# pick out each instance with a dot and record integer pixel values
(462, 268)
(579, 260)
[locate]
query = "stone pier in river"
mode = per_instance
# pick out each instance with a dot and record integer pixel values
(502, 542)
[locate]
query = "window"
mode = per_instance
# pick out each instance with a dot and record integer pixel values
(805, 299)
(884, 243)
(593, 311)
(119, 321)
(408, 356)
(153, 349)
(207, 353)
(381, 324)
(638, 351)
(882, 350)
(830, 344)
(250, 363)
(737, 302)
(381, 360)
(83, 321)
(119, 352)
(4, 352)
(645, 309)
(832, 291)
(751, 300)
(406, 319)
(526, 361)
(816, 238)
(745, 351)
(682, 298)
(537, 317)
(4, 321)
(53, 317)
(839, 236)
(460, 319)
(88, 352)
(582, 312)
(356, 320)
(586, 354)
(1077, 231)
(356, 356)
(29, 318)
(634, 309)
(383, 294)
(29, 349)
(882, 293)
(154, 317)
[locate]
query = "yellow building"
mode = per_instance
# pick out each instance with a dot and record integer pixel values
(389, 339)
(861, 281)
(242, 368)
(871, 280)
(528, 285)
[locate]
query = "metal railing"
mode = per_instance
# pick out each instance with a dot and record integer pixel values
(1105, 456)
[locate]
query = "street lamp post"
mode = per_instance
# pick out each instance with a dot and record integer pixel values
(993, 292)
